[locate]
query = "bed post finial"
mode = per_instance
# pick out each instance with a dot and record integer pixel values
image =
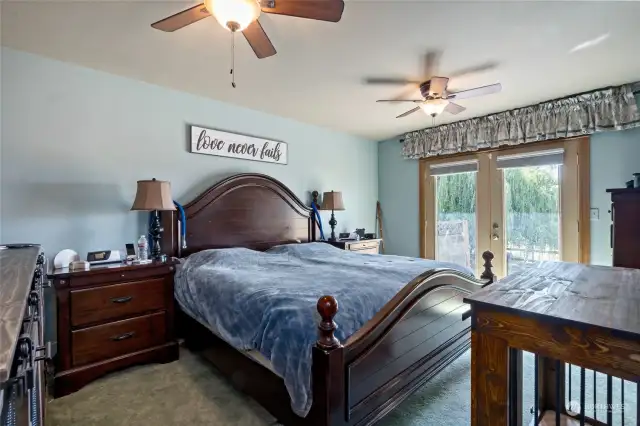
(487, 274)
(314, 197)
(327, 308)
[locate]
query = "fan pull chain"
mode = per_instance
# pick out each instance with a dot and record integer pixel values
(233, 59)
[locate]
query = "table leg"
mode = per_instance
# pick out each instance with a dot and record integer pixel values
(489, 380)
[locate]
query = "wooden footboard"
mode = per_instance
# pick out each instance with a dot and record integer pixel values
(418, 333)
(410, 340)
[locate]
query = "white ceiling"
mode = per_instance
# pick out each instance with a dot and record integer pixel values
(317, 75)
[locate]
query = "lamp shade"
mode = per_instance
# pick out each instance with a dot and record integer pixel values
(153, 195)
(332, 201)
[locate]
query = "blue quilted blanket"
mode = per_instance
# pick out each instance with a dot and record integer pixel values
(266, 301)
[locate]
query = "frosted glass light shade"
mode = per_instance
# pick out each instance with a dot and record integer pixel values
(232, 12)
(434, 107)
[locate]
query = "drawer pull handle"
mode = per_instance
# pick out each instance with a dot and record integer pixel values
(122, 299)
(123, 336)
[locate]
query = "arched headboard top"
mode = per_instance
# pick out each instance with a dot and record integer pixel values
(244, 210)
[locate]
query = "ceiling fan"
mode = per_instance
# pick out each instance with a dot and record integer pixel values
(242, 15)
(435, 97)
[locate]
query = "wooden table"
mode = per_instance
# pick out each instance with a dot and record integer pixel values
(584, 315)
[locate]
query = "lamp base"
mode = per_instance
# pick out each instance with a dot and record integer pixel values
(333, 222)
(155, 231)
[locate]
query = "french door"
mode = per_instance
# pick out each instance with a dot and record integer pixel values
(524, 204)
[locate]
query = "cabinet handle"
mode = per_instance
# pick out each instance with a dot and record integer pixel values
(123, 336)
(122, 299)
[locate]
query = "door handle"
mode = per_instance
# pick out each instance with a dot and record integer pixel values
(494, 235)
(611, 236)
(122, 299)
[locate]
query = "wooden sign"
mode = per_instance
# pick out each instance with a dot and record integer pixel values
(224, 144)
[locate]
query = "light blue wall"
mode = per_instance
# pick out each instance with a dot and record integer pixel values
(398, 194)
(614, 157)
(76, 140)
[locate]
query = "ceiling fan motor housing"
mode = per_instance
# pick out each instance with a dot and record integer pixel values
(424, 91)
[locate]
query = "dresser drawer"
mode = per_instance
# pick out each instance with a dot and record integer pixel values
(117, 338)
(116, 301)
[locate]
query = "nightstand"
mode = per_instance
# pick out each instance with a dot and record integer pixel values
(363, 246)
(111, 317)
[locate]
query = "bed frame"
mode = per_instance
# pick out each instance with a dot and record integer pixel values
(356, 382)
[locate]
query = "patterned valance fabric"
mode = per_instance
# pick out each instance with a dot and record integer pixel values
(613, 108)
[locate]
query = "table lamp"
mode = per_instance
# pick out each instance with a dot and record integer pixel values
(154, 196)
(332, 201)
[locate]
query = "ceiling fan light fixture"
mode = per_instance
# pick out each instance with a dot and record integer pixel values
(234, 15)
(434, 107)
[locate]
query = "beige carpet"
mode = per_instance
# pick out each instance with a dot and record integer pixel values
(185, 392)
(189, 392)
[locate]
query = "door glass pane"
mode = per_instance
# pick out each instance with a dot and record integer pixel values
(532, 215)
(456, 218)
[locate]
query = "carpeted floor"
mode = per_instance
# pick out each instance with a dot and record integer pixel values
(189, 392)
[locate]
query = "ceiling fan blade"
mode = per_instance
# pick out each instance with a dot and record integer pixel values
(478, 91)
(258, 40)
(431, 61)
(400, 100)
(437, 86)
(454, 109)
(182, 19)
(321, 10)
(411, 111)
(396, 81)
(487, 66)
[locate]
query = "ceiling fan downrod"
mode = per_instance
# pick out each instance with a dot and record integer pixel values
(233, 53)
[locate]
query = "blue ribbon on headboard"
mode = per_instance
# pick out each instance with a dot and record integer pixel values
(318, 218)
(183, 224)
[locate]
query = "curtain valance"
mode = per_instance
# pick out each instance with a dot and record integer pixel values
(613, 108)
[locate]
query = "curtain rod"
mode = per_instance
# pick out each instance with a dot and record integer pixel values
(635, 89)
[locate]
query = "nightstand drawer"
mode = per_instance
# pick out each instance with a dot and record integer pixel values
(117, 273)
(373, 250)
(118, 338)
(116, 301)
(364, 245)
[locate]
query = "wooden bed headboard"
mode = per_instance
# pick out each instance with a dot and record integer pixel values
(244, 210)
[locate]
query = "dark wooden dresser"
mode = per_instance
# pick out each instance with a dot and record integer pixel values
(24, 353)
(362, 246)
(112, 317)
(625, 229)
